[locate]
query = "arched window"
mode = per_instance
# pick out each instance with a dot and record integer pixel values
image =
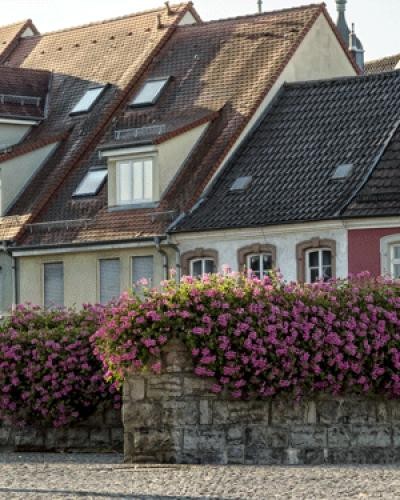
(316, 260)
(257, 258)
(198, 267)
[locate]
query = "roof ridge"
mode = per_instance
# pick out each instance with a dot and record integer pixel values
(115, 19)
(256, 15)
(383, 58)
(23, 22)
(340, 79)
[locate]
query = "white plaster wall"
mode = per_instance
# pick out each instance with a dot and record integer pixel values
(11, 134)
(285, 238)
(16, 173)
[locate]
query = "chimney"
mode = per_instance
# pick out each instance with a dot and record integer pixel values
(170, 12)
(260, 6)
(159, 24)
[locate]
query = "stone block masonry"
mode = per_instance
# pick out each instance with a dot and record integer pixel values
(102, 432)
(174, 418)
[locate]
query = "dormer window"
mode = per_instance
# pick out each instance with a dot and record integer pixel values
(88, 100)
(150, 92)
(92, 182)
(135, 181)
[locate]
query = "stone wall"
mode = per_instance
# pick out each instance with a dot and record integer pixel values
(173, 418)
(102, 432)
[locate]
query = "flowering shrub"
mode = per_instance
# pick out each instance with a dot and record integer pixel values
(260, 338)
(48, 372)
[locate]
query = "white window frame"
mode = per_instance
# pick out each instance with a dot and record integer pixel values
(387, 245)
(203, 261)
(320, 262)
(393, 260)
(43, 281)
(131, 162)
(99, 261)
(261, 257)
(136, 103)
(78, 109)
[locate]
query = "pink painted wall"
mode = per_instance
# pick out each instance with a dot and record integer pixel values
(364, 249)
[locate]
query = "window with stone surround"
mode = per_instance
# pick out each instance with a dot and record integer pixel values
(316, 260)
(257, 258)
(199, 261)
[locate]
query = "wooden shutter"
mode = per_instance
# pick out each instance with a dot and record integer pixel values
(54, 284)
(110, 280)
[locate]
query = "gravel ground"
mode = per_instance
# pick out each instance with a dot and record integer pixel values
(64, 476)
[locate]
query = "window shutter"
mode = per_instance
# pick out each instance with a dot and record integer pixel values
(54, 284)
(110, 280)
(142, 267)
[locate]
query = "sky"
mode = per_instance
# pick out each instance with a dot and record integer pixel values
(376, 20)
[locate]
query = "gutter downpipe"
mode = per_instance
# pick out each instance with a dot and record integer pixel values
(6, 250)
(163, 253)
(177, 258)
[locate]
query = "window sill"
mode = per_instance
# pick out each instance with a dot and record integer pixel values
(133, 206)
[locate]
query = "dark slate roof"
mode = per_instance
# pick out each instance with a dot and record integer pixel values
(382, 65)
(310, 129)
(220, 70)
(23, 93)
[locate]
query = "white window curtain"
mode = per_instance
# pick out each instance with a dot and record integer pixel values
(135, 181)
(53, 274)
(110, 280)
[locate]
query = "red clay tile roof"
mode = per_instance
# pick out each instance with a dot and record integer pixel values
(382, 65)
(10, 36)
(115, 52)
(23, 92)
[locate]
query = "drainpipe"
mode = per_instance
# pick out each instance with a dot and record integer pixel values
(164, 256)
(7, 251)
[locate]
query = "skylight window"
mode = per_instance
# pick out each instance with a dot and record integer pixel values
(88, 100)
(150, 92)
(241, 183)
(91, 183)
(343, 171)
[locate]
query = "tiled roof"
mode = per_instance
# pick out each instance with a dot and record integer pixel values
(116, 53)
(10, 35)
(221, 69)
(311, 129)
(23, 92)
(382, 65)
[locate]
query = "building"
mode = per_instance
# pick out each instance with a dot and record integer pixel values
(141, 114)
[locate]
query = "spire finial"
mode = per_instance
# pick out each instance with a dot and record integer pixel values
(260, 6)
(341, 5)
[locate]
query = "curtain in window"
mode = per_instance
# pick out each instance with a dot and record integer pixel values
(54, 284)
(142, 268)
(110, 280)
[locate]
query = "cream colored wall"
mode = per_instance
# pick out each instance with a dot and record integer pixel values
(319, 56)
(173, 153)
(11, 134)
(16, 173)
(81, 280)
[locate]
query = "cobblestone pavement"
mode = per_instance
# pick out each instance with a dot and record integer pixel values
(62, 476)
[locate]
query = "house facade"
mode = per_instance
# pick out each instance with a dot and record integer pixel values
(128, 145)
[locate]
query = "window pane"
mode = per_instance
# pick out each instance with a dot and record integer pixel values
(267, 263)
(110, 280)
(327, 272)
(142, 268)
(125, 182)
(197, 268)
(148, 180)
(138, 180)
(87, 100)
(53, 284)
(326, 258)
(208, 266)
(313, 259)
(149, 92)
(396, 252)
(396, 271)
(314, 275)
(91, 182)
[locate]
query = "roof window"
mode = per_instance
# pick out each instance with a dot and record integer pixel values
(92, 182)
(150, 92)
(88, 100)
(241, 183)
(343, 171)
